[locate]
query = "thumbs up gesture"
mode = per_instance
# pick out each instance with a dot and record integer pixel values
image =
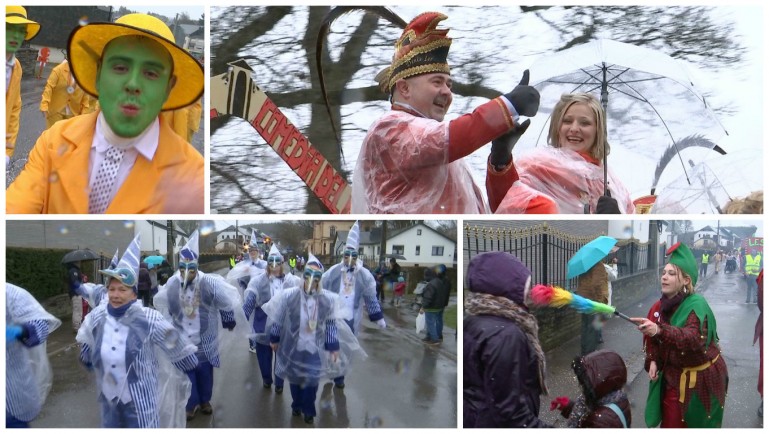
(524, 98)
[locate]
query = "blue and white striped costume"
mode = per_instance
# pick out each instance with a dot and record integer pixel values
(158, 393)
(28, 376)
(303, 358)
(364, 289)
(94, 294)
(260, 290)
(216, 301)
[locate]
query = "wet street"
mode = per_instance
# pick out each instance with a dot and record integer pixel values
(735, 319)
(403, 383)
(32, 122)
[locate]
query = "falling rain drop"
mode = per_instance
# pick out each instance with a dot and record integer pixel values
(402, 366)
(375, 422)
(326, 403)
(248, 385)
(128, 224)
(627, 231)
(107, 232)
(63, 230)
(83, 21)
(54, 177)
(206, 227)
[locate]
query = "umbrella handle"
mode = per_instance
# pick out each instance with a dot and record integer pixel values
(623, 316)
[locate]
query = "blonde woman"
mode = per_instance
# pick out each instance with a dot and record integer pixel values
(567, 177)
(688, 375)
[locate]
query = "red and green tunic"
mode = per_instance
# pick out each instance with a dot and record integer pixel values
(687, 353)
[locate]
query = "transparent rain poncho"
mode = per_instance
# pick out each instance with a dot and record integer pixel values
(565, 177)
(28, 375)
(156, 353)
(403, 168)
(94, 294)
(243, 271)
(262, 289)
(362, 293)
(218, 300)
(306, 323)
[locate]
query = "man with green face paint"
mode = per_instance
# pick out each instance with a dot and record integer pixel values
(123, 159)
(17, 30)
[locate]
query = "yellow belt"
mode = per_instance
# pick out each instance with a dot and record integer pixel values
(692, 372)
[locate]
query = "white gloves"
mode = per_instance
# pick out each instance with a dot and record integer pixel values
(381, 324)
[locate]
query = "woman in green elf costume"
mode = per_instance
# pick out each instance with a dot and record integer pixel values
(688, 375)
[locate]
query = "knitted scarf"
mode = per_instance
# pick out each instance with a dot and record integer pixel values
(486, 304)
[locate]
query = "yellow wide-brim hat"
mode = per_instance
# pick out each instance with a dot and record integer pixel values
(86, 45)
(18, 15)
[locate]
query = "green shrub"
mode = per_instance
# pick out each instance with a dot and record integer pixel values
(39, 271)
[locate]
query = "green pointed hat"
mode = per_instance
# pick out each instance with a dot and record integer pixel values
(681, 256)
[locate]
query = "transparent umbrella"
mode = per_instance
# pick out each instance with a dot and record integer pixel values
(651, 104)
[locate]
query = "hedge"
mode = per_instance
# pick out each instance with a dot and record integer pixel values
(39, 271)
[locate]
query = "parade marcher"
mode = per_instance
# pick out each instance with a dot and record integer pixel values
(567, 176)
(704, 260)
(434, 299)
(603, 403)
(718, 259)
(752, 267)
(194, 302)
(504, 373)
(355, 286)
(411, 160)
(309, 342)
(62, 97)
(121, 159)
(758, 335)
(28, 376)
(139, 357)
(689, 376)
(18, 28)
(245, 270)
(262, 289)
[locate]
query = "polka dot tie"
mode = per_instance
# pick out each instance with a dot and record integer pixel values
(99, 198)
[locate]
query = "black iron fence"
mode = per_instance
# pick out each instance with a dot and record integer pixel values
(547, 250)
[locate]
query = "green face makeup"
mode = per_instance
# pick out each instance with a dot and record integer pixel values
(14, 36)
(134, 81)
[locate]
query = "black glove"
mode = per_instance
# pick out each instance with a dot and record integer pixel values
(607, 205)
(524, 98)
(502, 146)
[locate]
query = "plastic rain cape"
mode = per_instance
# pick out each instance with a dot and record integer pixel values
(564, 176)
(152, 380)
(94, 294)
(217, 343)
(28, 375)
(364, 290)
(403, 168)
(263, 289)
(244, 271)
(301, 354)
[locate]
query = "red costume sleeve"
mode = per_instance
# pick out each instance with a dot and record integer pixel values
(469, 132)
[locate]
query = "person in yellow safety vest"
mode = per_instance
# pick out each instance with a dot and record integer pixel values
(292, 264)
(752, 267)
(232, 262)
(704, 265)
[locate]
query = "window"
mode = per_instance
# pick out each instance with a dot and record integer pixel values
(417, 251)
(378, 250)
(437, 250)
(419, 231)
(332, 231)
(398, 250)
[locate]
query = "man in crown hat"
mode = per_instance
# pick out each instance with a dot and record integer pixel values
(62, 97)
(27, 371)
(262, 289)
(310, 343)
(354, 284)
(194, 301)
(121, 159)
(133, 350)
(18, 28)
(411, 159)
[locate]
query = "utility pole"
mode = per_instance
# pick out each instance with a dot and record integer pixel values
(170, 242)
(383, 243)
(718, 235)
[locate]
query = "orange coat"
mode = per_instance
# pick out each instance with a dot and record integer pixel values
(177, 120)
(13, 109)
(55, 97)
(55, 178)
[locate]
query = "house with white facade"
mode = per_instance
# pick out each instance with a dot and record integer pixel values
(418, 245)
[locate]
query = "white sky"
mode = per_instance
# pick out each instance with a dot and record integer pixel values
(193, 10)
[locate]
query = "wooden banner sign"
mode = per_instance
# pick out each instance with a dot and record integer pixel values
(235, 93)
